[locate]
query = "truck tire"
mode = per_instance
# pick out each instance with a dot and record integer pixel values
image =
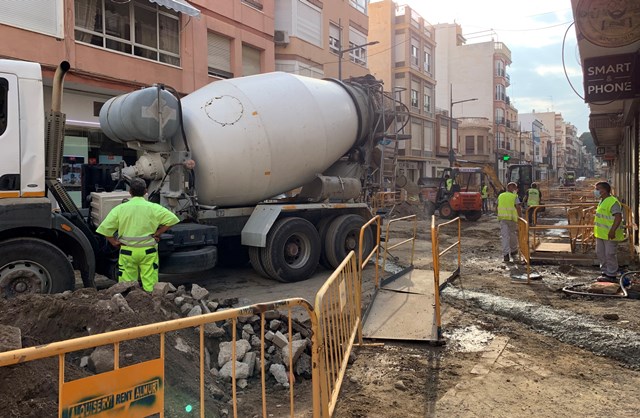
(446, 211)
(473, 215)
(256, 261)
(31, 265)
(293, 250)
(323, 227)
(343, 236)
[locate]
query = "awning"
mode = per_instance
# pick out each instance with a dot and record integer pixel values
(179, 6)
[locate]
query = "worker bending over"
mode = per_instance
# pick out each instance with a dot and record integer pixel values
(509, 210)
(139, 225)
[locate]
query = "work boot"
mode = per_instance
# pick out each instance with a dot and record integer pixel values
(506, 258)
(514, 254)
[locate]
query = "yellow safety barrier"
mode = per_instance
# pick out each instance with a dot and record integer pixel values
(387, 240)
(375, 250)
(385, 200)
(147, 378)
(435, 249)
(339, 312)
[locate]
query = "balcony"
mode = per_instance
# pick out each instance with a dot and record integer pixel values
(500, 120)
(501, 48)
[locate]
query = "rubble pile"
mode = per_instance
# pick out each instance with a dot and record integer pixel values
(218, 338)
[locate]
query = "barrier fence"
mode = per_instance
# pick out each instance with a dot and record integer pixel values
(128, 384)
(382, 200)
(523, 245)
(387, 240)
(437, 254)
(375, 250)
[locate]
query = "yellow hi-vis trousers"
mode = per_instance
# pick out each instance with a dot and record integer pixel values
(136, 262)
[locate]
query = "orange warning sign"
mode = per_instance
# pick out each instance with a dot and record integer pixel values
(133, 391)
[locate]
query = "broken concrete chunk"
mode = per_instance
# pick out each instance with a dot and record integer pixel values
(269, 315)
(249, 329)
(279, 372)
(181, 345)
(269, 336)
(211, 330)
(303, 366)
(242, 370)
(185, 308)
(179, 300)
(280, 340)
(122, 288)
(255, 341)
(195, 311)
(10, 338)
(121, 303)
(84, 361)
(297, 347)
(101, 360)
(212, 306)
(198, 292)
(250, 360)
(275, 324)
(162, 288)
(242, 383)
(107, 305)
(224, 356)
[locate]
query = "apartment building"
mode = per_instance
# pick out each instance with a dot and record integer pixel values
(473, 79)
(403, 59)
(320, 39)
(550, 151)
(119, 46)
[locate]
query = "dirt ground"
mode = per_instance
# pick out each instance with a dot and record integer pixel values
(492, 365)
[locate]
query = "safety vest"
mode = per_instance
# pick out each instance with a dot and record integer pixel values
(484, 193)
(449, 184)
(507, 207)
(534, 197)
(604, 220)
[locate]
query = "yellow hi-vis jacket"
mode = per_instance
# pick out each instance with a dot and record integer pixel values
(484, 193)
(507, 207)
(449, 184)
(533, 198)
(604, 220)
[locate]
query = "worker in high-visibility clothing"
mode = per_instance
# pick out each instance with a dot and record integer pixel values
(484, 194)
(509, 210)
(139, 225)
(532, 198)
(448, 183)
(608, 231)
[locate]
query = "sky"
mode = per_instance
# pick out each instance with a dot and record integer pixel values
(533, 31)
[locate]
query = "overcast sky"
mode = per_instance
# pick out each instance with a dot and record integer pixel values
(533, 31)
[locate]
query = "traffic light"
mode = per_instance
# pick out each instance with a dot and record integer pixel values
(506, 158)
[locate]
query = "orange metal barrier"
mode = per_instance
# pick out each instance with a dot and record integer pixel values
(387, 239)
(339, 312)
(385, 200)
(523, 245)
(435, 249)
(375, 250)
(80, 395)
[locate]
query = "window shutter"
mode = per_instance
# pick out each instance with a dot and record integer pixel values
(250, 60)
(219, 54)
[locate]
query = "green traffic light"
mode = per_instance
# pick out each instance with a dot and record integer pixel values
(506, 157)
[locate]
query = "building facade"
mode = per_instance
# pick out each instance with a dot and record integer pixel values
(320, 39)
(404, 60)
(117, 47)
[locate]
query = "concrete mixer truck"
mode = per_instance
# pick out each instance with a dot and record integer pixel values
(224, 158)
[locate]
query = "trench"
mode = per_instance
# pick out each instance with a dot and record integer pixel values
(566, 326)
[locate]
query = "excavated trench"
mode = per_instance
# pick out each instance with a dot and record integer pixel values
(566, 326)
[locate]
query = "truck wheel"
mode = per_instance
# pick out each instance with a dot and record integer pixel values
(323, 227)
(446, 211)
(473, 215)
(30, 265)
(343, 236)
(293, 250)
(256, 262)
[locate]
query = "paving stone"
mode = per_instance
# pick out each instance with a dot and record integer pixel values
(198, 292)
(269, 336)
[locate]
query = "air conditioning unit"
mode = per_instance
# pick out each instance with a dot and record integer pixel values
(281, 37)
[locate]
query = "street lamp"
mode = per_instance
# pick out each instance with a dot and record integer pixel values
(452, 156)
(342, 51)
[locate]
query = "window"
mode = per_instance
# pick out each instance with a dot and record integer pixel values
(500, 92)
(138, 28)
(415, 88)
(414, 52)
(334, 38)
(256, 4)
(309, 23)
(43, 16)
(360, 5)
(500, 68)
(500, 140)
(428, 135)
(250, 60)
(358, 55)
(427, 99)
(4, 104)
(219, 55)
(399, 49)
(500, 116)
(427, 60)
(480, 144)
(469, 147)
(416, 135)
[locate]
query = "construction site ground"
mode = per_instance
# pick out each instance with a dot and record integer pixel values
(512, 350)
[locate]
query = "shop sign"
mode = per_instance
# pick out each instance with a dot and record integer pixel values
(611, 77)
